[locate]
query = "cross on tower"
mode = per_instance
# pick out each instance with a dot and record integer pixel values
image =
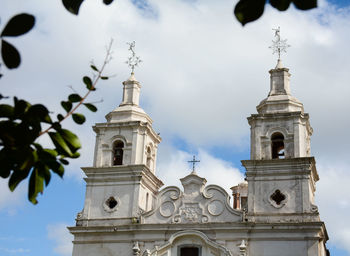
(278, 45)
(194, 161)
(133, 60)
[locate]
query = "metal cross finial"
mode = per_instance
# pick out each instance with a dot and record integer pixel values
(134, 60)
(278, 45)
(194, 161)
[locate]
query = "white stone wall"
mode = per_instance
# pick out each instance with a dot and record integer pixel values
(295, 128)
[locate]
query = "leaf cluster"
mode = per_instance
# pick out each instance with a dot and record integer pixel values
(250, 10)
(73, 6)
(16, 26)
(22, 123)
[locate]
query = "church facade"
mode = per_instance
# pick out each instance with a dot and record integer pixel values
(272, 213)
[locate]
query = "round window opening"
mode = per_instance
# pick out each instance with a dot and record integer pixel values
(111, 202)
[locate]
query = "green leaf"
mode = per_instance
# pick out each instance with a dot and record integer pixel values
(61, 146)
(280, 5)
(2, 96)
(107, 2)
(19, 25)
(249, 10)
(75, 155)
(74, 97)
(78, 118)
(90, 107)
(6, 111)
(53, 153)
(59, 169)
(44, 172)
(63, 161)
(21, 107)
(72, 5)
(36, 185)
(49, 161)
(71, 139)
(17, 177)
(39, 112)
(87, 81)
(6, 163)
(10, 55)
(67, 105)
(60, 117)
(305, 4)
(28, 159)
(57, 126)
(104, 77)
(94, 67)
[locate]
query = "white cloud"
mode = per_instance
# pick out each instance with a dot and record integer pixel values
(332, 197)
(15, 251)
(10, 201)
(201, 70)
(63, 239)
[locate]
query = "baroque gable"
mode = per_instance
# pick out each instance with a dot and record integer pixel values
(197, 203)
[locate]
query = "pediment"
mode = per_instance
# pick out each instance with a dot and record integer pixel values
(197, 203)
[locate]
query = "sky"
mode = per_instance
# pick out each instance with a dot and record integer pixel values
(202, 75)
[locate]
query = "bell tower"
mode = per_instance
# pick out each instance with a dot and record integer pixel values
(127, 137)
(282, 173)
(121, 184)
(281, 129)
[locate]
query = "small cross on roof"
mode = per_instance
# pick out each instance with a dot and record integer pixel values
(194, 161)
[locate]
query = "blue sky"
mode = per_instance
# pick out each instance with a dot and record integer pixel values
(202, 75)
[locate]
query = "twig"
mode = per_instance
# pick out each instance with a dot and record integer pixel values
(99, 75)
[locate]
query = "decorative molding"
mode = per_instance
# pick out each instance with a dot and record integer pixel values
(205, 241)
(167, 209)
(197, 204)
(215, 207)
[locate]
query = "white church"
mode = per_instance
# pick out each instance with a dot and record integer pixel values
(271, 214)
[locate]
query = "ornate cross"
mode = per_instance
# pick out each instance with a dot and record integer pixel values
(134, 60)
(278, 45)
(194, 161)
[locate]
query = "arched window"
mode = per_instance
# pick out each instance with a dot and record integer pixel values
(149, 157)
(118, 153)
(277, 145)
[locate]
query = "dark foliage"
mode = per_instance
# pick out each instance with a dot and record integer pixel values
(250, 10)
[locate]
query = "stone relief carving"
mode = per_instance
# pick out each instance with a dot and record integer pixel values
(136, 249)
(196, 204)
(243, 248)
(80, 215)
(314, 208)
(215, 207)
(147, 253)
(190, 213)
(167, 209)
